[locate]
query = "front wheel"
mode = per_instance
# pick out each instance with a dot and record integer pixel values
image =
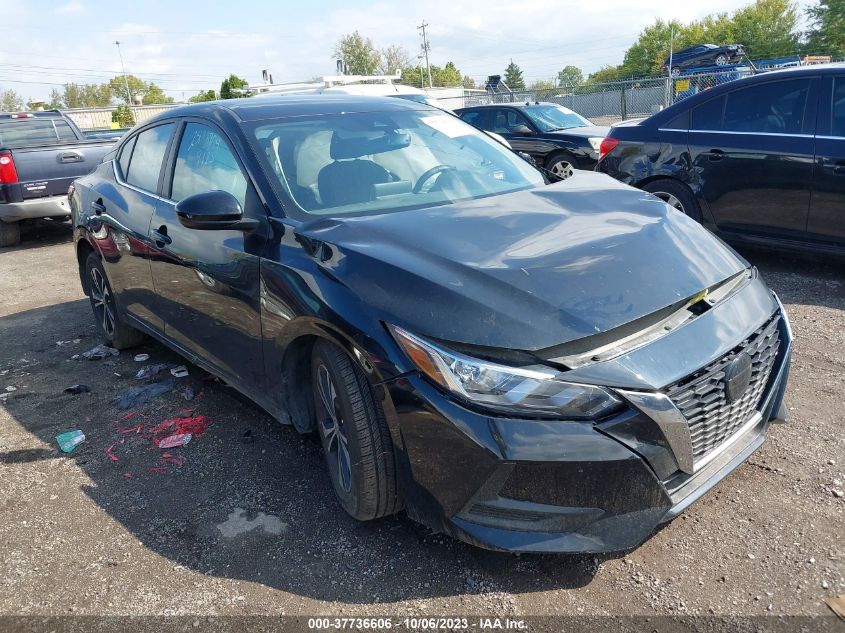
(354, 435)
(112, 328)
(561, 167)
(721, 60)
(676, 195)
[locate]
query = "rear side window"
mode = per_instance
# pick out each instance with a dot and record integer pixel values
(64, 131)
(838, 122)
(473, 117)
(145, 164)
(772, 108)
(125, 155)
(708, 116)
(205, 163)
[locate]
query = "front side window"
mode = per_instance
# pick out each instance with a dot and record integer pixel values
(145, 164)
(205, 163)
(506, 119)
(550, 118)
(772, 108)
(838, 121)
(374, 162)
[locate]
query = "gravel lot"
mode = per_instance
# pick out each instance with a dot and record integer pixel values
(247, 524)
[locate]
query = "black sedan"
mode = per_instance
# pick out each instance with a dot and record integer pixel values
(759, 160)
(558, 139)
(488, 351)
(703, 55)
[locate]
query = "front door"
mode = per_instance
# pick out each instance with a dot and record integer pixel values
(207, 281)
(752, 150)
(827, 205)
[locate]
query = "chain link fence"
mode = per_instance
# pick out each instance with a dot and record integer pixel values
(607, 103)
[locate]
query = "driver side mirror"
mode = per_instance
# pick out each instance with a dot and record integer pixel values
(521, 130)
(213, 210)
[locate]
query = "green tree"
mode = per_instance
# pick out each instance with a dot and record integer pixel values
(358, 53)
(570, 77)
(208, 95)
(468, 82)
(123, 116)
(828, 34)
(513, 77)
(55, 101)
(393, 58)
(543, 84)
(448, 76)
(137, 87)
(87, 95)
(10, 101)
(155, 95)
(230, 87)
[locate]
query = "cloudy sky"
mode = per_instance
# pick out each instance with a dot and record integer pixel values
(189, 45)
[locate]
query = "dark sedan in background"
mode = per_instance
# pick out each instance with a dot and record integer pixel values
(704, 55)
(491, 352)
(558, 139)
(760, 159)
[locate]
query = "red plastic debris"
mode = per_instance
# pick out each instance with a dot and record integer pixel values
(111, 455)
(127, 475)
(172, 441)
(158, 469)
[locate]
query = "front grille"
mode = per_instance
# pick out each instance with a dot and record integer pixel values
(701, 396)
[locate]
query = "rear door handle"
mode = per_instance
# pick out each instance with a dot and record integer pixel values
(69, 157)
(98, 207)
(716, 154)
(160, 235)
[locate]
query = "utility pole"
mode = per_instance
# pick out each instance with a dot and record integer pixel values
(419, 63)
(670, 80)
(425, 47)
(125, 81)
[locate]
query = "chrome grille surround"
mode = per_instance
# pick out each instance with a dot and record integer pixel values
(701, 399)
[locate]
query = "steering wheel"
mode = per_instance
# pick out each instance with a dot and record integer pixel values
(428, 174)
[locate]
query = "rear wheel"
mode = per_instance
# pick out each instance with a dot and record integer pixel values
(676, 71)
(10, 233)
(676, 195)
(354, 435)
(112, 328)
(721, 60)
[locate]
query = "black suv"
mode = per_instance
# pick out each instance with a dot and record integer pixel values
(760, 159)
(704, 55)
(558, 139)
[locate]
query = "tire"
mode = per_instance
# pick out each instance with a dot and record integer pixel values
(111, 327)
(721, 60)
(354, 435)
(676, 195)
(10, 233)
(676, 71)
(561, 166)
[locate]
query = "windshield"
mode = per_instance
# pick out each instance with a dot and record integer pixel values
(356, 163)
(553, 117)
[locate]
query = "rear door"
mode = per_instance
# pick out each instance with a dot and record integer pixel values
(752, 151)
(207, 282)
(125, 206)
(827, 205)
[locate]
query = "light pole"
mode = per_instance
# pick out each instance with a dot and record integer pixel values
(125, 81)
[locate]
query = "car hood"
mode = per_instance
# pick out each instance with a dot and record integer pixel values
(525, 270)
(585, 131)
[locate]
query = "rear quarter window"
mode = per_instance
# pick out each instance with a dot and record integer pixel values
(708, 115)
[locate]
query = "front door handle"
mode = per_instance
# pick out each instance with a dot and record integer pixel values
(716, 154)
(839, 168)
(160, 236)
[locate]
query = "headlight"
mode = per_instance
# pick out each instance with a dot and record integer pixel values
(535, 390)
(595, 143)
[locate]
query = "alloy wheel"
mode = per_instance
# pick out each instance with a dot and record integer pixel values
(332, 429)
(102, 301)
(562, 169)
(671, 200)
(721, 60)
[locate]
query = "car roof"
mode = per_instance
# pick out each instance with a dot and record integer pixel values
(772, 75)
(288, 105)
(519, 104)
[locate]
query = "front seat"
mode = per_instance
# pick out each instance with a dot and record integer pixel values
(349, 179)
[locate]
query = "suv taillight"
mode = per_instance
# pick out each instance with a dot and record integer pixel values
(8, 173)
(607, 146)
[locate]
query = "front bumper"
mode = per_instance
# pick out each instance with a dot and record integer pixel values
(549, 486)
(50, 207)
